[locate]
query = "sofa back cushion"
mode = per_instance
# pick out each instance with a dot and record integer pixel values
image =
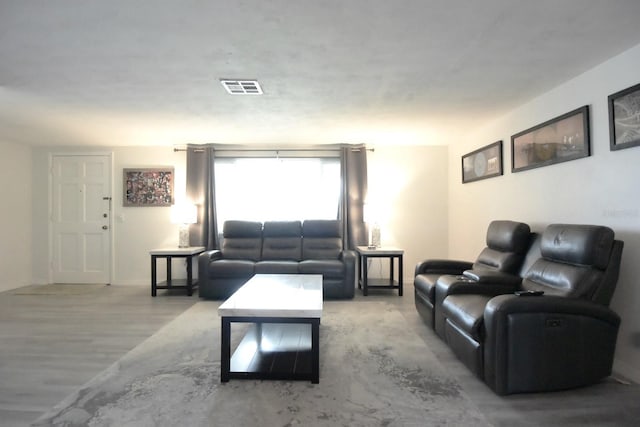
(321, 239)
(282, 240)
(575, 261)
(242, 240)
(507, 244)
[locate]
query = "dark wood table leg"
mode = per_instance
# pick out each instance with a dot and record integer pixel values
(189, 276)
(168, 258)
(225, 350)
(154, 277)
(391, 269)
(365, 289)
(400, 277)
(315, 351)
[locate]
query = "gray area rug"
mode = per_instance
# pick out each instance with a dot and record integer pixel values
(374, 370)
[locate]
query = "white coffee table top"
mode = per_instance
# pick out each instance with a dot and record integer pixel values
(276, 295)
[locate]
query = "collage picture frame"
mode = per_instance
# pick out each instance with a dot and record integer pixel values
(148, 186)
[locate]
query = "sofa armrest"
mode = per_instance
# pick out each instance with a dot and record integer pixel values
(493, 277)
(349, 258)
(204, 259)
(442, 266)
(348, 255)
(545, 343)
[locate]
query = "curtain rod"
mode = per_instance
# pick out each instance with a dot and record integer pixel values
(201, 150)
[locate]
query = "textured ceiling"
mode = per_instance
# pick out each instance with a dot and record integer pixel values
(147, 72)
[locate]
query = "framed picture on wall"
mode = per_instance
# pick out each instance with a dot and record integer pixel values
(624, 118)
(560, 139)
(148, 186)
(485, 162)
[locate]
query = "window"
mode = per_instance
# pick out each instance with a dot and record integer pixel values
(268, 189)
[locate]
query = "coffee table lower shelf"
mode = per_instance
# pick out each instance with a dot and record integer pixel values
(272, 349)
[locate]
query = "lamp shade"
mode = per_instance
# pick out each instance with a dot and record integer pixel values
(184, 214)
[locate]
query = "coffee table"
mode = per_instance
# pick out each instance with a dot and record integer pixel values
(282, 342)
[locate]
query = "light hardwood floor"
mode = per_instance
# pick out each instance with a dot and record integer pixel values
(55, 340)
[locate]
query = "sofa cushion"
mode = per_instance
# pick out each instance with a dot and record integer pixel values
(282, 240)
(329, 268)
(230, 268)
(276, 267)
(242, 240)
(322, 239)
(467, 313)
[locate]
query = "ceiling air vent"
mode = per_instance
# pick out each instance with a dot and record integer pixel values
(242, 87)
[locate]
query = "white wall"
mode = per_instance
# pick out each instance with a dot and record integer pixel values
(408, 186)
(135, 230)
(15, 216)
(601, 189)
(407, 181)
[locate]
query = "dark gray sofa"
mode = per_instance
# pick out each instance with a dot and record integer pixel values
(278, 247)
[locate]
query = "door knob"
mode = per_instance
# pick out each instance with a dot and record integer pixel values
(104, 227)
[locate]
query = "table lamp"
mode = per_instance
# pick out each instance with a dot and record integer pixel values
(370, 218)
(184, 214)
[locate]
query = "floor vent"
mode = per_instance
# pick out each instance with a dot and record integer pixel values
(242, 87)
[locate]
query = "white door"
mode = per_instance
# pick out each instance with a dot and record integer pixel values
(81, 219)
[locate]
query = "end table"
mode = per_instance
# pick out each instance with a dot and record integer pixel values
(384, 252)
(168, 254)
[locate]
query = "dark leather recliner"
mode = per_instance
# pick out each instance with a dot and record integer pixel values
(562, 339)
(507, 244)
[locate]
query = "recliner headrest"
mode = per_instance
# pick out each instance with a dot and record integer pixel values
(508, 236)
(578, 244)
(242, 229)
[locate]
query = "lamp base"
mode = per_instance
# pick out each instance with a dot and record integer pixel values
(183, 236)
(375, 236)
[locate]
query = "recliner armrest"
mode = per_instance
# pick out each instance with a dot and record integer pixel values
(506, 305)
(442, 266)
(494, 277)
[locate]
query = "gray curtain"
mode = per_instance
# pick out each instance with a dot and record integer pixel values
(353, 161)
(201, 190)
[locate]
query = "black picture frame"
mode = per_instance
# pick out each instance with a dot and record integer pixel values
(147, 186)
(561, 139)
(483, 163)
(624, 118)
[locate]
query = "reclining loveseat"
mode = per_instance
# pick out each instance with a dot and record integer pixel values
(548, 329)
(278, 247)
